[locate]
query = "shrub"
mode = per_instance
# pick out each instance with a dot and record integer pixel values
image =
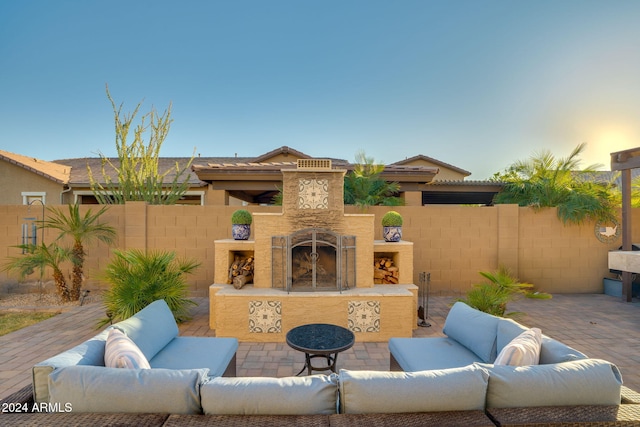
(392, 219)
(137, 278)
(241, 216)
(492, 296)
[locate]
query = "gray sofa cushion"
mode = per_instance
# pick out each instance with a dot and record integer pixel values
(580, 382)
(551, 351)
(197, 352)
(315, 394)
(421, 354)
(473, 329)
(100, 389)
(458, 389)
(151, 328)
(507, 330)
(90, 352)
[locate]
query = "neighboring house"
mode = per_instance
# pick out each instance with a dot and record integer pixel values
(231, 180)
(446, 172)
(26, 179)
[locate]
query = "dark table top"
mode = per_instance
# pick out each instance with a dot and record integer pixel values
(320, 338)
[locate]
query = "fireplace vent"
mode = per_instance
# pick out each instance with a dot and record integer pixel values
(314, 164)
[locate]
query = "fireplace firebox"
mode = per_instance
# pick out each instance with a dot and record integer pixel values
(313, 259)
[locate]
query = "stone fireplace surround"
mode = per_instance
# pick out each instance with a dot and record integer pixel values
(267, 309)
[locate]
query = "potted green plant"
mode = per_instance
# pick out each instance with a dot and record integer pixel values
(241, 224)
(392, 226)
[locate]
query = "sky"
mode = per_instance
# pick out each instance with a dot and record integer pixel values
(477, 84)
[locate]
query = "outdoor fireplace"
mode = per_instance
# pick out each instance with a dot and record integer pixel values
(307, 268)
(313, 259)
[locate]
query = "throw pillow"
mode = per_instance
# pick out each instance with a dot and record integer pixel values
(121, 352)
(523, 350)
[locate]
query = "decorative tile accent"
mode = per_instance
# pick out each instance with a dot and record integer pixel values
(364, 316)
(313, 194)
(265, 317)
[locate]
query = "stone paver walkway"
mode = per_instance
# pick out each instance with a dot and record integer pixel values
(598, 325)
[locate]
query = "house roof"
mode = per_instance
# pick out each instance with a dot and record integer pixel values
(55, 171)
(75, 171)
(80, 172)
(431, 160)
(286, 151)
(220, 171)
(461, 192)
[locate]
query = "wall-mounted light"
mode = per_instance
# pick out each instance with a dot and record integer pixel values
(30, 231)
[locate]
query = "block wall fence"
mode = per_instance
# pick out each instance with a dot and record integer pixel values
(452, 243)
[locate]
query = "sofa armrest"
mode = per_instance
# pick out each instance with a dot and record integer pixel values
(90, 352)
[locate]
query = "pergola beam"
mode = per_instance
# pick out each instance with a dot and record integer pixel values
(624, 161)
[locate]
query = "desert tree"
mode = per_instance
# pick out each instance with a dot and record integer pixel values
(136, 174)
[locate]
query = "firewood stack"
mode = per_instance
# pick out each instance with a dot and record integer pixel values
(384, 272)
(241, 272)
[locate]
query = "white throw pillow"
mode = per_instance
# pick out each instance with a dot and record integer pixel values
(523, 350)
(121, 352)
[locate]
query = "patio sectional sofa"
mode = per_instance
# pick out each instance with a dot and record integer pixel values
(444, 381)
(155, 333)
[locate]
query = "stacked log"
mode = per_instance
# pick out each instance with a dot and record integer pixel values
(384, 272)
(241, 272)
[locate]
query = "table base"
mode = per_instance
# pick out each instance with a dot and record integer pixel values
(331, 363)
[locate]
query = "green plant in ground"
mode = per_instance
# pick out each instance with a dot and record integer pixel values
(364, 187)
(545, 181)
(392, 219)
(241, 216)
(39, 257)
(83, 229)
(137, 169)
(492, 296)
(137, 278)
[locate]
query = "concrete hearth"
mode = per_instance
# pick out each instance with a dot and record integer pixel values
(335, 252)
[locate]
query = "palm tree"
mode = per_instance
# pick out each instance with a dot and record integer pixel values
(547, 181)
(83, 230)
(41, 257)
(364, 187)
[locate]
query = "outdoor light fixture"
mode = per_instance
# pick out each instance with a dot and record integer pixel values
(30, 231)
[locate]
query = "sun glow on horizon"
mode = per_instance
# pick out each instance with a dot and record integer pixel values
(609, 140)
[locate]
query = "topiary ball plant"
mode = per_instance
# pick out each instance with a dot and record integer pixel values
(392, 219)
(392, 226)
(241, 224)
(241, 216)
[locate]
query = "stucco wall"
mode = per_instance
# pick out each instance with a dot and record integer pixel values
(453, 243)
(14, 180)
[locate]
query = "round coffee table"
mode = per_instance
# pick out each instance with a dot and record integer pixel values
(320, 340)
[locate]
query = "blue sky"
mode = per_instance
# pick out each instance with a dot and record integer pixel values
(477, 84)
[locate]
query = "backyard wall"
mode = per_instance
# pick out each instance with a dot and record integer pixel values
(452, 243)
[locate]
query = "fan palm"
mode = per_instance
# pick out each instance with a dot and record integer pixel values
(41, 257)
(83, 229)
